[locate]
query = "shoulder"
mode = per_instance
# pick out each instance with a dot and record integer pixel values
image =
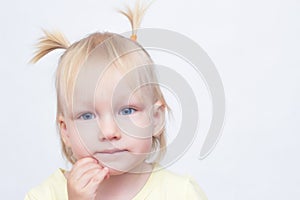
(54, 187)
(177, 186)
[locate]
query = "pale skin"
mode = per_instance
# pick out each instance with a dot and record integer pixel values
(90, 179)
(84, 179)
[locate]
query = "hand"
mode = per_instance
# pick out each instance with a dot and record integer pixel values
(85, 178)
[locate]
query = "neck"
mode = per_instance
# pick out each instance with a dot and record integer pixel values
(126, 185)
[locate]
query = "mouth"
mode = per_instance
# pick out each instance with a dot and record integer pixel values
(113, 151)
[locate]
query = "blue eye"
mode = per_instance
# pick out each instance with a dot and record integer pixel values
(127, 111)
(87, 116)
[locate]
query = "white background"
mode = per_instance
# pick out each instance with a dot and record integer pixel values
(255, 46)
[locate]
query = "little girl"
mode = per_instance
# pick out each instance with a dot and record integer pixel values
(110, 115)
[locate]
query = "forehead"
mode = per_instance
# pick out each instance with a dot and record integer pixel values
(110, 92)
(121, 73)
(100, 81)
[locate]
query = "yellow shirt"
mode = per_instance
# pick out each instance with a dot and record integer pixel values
(162, 184)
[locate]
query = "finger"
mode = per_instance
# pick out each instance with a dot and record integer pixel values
(84, 161)
(93, 175)
(88, 176)
(82, 166)
(96, 179)
(78, 173)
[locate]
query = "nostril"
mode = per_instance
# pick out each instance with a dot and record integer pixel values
(106, 135)
(110, 138)
(109, 129)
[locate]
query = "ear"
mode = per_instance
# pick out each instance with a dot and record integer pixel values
(158, 116)
(64, 134)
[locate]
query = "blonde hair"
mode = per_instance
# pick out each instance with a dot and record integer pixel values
(114, 45)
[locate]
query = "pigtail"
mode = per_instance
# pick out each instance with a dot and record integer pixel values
(135, 16)
(49, 42)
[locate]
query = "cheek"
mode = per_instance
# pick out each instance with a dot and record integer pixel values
(138, 125)
(147, 147)
(143, 146)
(141, 119)
(78, 149)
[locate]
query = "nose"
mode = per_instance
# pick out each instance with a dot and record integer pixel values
(109, 129)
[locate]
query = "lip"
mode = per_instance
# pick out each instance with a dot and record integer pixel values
(112, 151)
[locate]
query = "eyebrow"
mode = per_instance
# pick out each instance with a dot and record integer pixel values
(82, 105)
(129, 99)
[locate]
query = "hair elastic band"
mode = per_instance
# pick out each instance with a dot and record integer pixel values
(133, 37)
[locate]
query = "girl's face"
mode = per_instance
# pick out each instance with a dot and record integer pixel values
(111, 121)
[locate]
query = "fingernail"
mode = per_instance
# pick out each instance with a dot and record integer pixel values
(107, 176)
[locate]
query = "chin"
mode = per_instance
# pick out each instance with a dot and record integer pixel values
(133, 168)
(122, 163)
(114, 172)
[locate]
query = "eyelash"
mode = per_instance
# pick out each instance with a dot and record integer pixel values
(128, 108)
(94, 116)
(82, 116)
